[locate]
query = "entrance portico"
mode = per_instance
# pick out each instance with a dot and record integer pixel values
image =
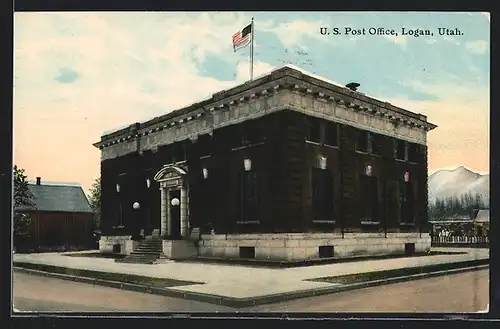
(174, 202)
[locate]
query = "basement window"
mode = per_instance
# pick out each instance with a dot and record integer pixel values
(325, 251)
(247, 252)
(409, 249)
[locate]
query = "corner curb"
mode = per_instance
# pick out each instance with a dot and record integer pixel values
(250, 301)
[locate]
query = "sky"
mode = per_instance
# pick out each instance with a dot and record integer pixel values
(77, 75)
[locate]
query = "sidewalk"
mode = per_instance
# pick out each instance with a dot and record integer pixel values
(236, 281)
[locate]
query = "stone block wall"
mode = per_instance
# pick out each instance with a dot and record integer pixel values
(305, 246)
(106, 244)
(179, 249)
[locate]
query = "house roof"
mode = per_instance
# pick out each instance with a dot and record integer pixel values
(456, 218)
(62, 197)
(483, 215)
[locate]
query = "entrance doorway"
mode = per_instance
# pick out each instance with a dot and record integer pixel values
(175, 212)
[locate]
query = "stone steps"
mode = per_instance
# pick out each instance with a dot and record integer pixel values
(149, 251)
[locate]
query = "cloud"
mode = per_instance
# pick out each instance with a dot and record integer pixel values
(117, 78)
(462, 115)
(452, 40)
(487, 15)
(66, 75)
(477, 46)
(128, 74)
(292, 33)
(399, 40)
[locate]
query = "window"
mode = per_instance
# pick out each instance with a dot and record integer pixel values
(362, 144)
(375, 144)
(322, 195)
(412, 152)
(178, 152)
(407, 211)
(369, 142)
(368, 198)
(204, 145)
(313, 130)
(249, 199)
(251, 133)
(331, 134)
(400, 149)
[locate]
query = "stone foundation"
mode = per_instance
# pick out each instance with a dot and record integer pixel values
(106, 244)
(284, 246)
(305, 246)
(179, 249)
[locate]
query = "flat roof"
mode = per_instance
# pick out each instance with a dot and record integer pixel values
(286, 70)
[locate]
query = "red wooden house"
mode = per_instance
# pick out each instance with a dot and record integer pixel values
(62, 218)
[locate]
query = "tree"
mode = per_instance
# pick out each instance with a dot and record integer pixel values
(95, 201)
(23, 202)
(464, 204)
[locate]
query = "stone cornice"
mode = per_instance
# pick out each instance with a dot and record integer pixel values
(282, 79)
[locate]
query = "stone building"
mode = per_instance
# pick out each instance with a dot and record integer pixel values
(288, 166)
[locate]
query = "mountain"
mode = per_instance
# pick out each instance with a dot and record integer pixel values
(450, 183)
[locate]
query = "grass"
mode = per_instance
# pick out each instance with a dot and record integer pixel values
(380, 275)
(96, 255)
(119, 277)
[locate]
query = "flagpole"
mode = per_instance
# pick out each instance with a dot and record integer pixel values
(251, 52)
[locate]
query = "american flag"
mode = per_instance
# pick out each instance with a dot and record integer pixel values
(242, 38)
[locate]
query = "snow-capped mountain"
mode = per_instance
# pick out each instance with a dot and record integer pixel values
(450, 183)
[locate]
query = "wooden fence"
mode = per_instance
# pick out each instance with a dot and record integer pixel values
(461, 241)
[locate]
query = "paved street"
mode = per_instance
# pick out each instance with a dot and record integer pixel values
(465, 292)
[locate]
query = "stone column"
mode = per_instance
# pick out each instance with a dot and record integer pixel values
(169, 213)
(164, 217)
(184, 218)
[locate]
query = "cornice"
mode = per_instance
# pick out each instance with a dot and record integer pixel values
(288, 79)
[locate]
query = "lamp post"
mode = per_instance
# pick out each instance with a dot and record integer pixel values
(120, 205)
(136, 206)
(175, 215)
(148, 205)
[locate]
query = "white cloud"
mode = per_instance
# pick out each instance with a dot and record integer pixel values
(133, 74)
(399, 40)
(463, 119)
(259, 69)
(126, 75)
(452, 40)
(477, 46)
(117, 68)
(291, 33)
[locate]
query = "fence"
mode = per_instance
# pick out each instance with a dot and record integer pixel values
(461, 241)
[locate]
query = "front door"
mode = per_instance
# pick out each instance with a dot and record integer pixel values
(175, 212)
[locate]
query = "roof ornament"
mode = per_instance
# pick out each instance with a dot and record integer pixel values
(353, 86)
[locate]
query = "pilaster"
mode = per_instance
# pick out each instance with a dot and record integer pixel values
(164, 218)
